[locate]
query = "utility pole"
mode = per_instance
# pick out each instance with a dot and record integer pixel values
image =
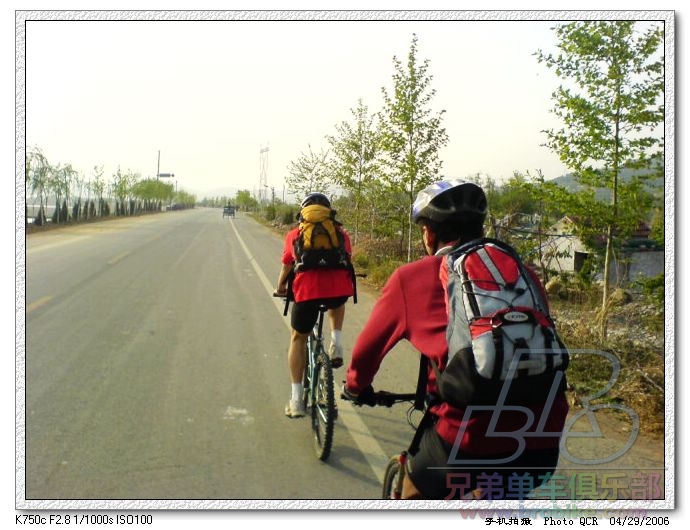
(263, 169)
(158, 170)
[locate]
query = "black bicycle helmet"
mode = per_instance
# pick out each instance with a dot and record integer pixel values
(316, 198)
(448, 198)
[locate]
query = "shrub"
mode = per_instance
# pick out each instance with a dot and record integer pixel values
(360, 259)
(653, 288)
(379, 273)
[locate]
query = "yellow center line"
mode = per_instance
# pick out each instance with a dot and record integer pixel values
(38, 303)
(117, 258)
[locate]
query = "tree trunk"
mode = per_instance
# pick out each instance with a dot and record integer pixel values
(409, 225)
(603, 326)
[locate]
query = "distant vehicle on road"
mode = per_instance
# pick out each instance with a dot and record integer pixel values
(229, 211)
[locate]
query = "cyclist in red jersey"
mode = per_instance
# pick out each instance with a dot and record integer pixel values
(310, 288)
(412, 306)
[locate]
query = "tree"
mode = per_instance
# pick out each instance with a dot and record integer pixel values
(412, 135)
(245, 200)
(98, 187)
(610, 113)
(153, 192)
(60, 182)
(309, 173)
(38, 172)
(121, 189)
(546, 198)
(354, 160)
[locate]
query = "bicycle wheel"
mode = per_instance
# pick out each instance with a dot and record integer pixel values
(392, 479)
(323, 406)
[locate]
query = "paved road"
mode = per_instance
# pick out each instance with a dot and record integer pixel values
(155, 364)
(156, 369)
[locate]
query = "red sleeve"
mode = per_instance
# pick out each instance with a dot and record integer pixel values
(385, 328)
(288, 257)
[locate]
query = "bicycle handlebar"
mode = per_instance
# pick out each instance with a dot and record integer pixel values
(382, 398)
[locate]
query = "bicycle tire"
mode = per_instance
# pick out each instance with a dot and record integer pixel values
(323, 407)
(391, 479)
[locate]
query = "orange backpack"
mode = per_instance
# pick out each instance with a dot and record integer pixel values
(320, 244)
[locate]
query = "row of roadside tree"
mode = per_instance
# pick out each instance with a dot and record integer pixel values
(610, 103)
(77, 197)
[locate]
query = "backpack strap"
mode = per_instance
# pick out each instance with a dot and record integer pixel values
(426, 422)
(290, 296)
(351, 268)
(419, 403)
(422, 380)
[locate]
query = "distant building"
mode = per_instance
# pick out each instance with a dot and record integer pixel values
(640, 257)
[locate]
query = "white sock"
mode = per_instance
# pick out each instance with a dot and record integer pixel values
(297, 390)
(335, 336)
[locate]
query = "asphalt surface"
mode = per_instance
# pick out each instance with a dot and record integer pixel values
(155, 369)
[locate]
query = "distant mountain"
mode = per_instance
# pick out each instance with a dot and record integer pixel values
(654, 185)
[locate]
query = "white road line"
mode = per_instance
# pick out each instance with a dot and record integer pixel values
(367, 444)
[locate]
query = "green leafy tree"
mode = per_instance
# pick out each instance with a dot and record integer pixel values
(153, 193)
(98, 188)
(245, 200)
(310, 173)
(38, 171)
(412, 135)
(60, 182)
(546, 199)
(185, 199)
(611, 111)
(354, 162)
(121, 189)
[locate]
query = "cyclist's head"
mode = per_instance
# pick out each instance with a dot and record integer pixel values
(453, 209)
(316, 198)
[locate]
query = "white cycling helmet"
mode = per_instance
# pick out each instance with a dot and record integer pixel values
(447, 198)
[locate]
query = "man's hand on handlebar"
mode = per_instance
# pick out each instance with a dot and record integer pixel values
(365, 397)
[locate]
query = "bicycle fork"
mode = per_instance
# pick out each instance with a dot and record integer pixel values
(310, 380)
(398, 488)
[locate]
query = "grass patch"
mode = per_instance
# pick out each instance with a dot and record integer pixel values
(636, 365)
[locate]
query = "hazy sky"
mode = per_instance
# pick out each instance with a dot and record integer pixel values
(210, 95)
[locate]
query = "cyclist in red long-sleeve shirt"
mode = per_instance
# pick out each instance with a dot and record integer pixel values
(412, 306)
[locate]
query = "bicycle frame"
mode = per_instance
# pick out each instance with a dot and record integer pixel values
(314, 348)
(319, 390)
(315, 340)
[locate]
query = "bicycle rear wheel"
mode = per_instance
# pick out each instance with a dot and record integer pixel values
(323, 406)
(392, 478)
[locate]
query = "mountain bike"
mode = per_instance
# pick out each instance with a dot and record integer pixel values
(319, 393)
(396, 469)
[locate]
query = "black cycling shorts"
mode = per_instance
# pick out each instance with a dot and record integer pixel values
(304, 314)
(436, 479)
